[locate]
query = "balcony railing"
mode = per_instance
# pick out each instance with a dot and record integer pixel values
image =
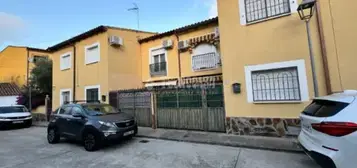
(158, 69)
(205, 61)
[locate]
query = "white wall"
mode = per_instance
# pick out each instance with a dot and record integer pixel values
(8, 100)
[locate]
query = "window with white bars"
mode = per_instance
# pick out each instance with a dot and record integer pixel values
(205, 56)
(92, 53)
(205, 61)
(261, 9)
(276, 85)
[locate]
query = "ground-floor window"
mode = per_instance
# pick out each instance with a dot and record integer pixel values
(280, 84)
(65, 96)
(92, 93)
(277, 82)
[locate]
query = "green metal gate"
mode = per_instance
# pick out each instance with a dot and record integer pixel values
(192, 109)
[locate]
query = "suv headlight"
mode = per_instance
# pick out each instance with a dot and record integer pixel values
(108, 124)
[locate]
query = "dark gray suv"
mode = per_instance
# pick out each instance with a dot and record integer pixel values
(90, 123)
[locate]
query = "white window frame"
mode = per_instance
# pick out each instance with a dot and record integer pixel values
(92, 87)
(65, 67)
(300, 64)
(196, 52)
(86, 60)
(242, 12)
(159, 50)
(70, 95)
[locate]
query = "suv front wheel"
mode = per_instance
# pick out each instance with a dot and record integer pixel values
(91, 141)
(53, 136)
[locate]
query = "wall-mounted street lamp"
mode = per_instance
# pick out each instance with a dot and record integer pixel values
(306, 11)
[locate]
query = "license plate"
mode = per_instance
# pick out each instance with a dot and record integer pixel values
(18, 122)
(128, 133)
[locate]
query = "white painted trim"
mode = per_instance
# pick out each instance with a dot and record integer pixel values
(92, 87)
(300, 64)
(85, 53)
(293, 6)
(166, 83)
(65, 90)
(242, 17)
(242, 13)
(151, 60)
(70, 60)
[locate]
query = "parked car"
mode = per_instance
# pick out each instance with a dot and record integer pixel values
(329, 126)
(91, 123)
(15, 115)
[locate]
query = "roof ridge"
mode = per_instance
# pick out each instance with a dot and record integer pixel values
(128, 29)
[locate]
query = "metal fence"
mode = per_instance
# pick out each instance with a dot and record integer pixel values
(135, 102)
(200, 108)
(191, 108)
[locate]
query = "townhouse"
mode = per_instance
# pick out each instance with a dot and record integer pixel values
(246, 72)
(16, 63)
(264, 48)
(89, 65)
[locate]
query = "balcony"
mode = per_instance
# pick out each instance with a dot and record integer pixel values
(158, 69)
(205, 61)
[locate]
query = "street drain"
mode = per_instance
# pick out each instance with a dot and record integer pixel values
(144, 141)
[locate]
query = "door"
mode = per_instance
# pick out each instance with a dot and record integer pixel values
(65, 97)
(76, 124)
(92, 94)
(62, 117)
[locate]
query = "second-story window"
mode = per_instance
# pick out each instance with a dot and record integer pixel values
(205, 56)
(158, 62)
(252, 11)
(262, 9)
(65, 62)
(92, 53)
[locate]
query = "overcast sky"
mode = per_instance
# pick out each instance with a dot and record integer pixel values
(42, 23)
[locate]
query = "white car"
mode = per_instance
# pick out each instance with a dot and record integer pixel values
(15, 115)
(329, 130)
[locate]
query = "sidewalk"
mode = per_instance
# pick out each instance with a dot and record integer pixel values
(255, 142)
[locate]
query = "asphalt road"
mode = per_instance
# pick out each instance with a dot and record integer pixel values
(28, 148)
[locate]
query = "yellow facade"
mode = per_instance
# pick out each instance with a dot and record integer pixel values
(179, 64)
(270, 41)
(13, 63)
(339, 32)
(125, 62)
(118, 67)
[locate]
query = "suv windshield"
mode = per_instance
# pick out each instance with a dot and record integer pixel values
(99, 109)
(13, 109)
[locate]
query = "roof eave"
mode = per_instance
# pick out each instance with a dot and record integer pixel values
(180, 30)
(71, 41)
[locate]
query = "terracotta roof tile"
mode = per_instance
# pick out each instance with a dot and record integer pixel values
(9, 89)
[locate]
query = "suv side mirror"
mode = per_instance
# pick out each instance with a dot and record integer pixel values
(77, 115)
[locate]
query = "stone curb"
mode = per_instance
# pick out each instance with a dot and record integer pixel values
(271, 148)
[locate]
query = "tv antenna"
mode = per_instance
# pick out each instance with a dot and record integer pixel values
(136, 9)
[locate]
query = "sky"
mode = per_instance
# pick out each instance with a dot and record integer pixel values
(43, 23)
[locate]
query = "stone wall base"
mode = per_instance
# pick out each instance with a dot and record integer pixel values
(277, 127)
(39, 117)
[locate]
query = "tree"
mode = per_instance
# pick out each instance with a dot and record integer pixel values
(40, 83)
(41, 77)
